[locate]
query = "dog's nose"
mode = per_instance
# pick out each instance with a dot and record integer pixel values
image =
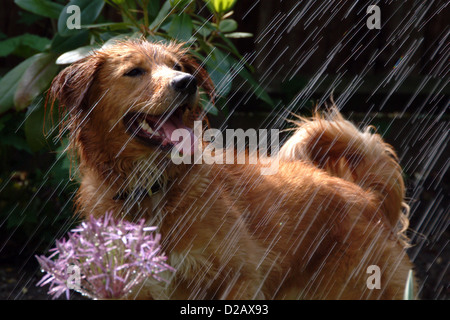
(185, 84)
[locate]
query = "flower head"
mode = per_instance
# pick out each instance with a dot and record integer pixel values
(103, 259)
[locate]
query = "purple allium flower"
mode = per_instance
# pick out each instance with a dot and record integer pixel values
(103, 259)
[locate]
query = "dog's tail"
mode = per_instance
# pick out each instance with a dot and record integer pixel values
(336, 145)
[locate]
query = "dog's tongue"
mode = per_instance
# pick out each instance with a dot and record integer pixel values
(187, 143)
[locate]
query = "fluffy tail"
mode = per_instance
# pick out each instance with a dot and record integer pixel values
(336, 145)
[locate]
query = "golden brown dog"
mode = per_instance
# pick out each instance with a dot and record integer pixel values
(313, 230)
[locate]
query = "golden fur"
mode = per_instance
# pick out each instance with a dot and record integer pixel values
(309, 231)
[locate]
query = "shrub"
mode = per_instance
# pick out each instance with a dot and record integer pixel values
(33, 200)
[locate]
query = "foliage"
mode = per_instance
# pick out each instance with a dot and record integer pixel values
(28, 133)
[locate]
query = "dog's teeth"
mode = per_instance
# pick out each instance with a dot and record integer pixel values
(146, 127)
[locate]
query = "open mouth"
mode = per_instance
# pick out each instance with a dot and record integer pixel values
(159, 130)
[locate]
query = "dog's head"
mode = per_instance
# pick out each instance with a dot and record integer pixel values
(129, 98)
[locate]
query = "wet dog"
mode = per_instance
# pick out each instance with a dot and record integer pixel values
(313, 230)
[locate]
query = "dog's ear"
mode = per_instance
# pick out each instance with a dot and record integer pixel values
(72, 84)
(200, 74)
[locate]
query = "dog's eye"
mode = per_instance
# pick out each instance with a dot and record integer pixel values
(177, 67)
(135, 72)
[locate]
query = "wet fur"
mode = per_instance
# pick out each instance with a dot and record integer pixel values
(308, 232)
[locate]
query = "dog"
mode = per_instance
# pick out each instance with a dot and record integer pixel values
(313, 230)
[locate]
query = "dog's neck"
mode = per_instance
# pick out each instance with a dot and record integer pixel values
(144, 177)
(135, 179)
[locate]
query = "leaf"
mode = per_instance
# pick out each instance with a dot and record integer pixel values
(36, 79)
(152, 9)
(180, 3)
(210, 108)
(41, 7)
(162, 16)
(219, 67)
(89, 12)
(15, 44)
(229, 45)
(128, 11)
(75, 55)
(239, 35)
(34, 126)
(204, 30)
(181, 27)
(228, 25)
(9, 83)
(62, 44)
(256, 87)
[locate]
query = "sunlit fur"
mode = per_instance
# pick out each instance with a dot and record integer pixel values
(309, 231)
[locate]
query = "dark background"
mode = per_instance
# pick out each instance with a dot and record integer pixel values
(395, 78)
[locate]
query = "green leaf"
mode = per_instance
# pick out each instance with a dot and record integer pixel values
(179, 3)
(128, 11)
(89, 12)
(256, 87)
(210, 108)
(163, 14)
(36, 79)
(16, 44)
(181, 27)
(34, 126)
(229, 45)
(409, 289)
(228, 25)
(153, 9)
(75, 55)
(44, 8)
(219, 67)
(204, 30)
(239, 35)
(9, 83)
(62, 44)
